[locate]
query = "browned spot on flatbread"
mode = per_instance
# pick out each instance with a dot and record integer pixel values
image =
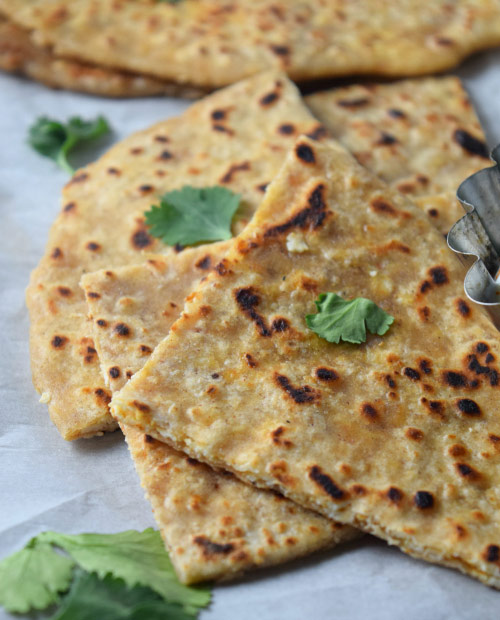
(492, 553)
(250, 360)
(204, 263)
(454, 379)
(103, 397)
(269, 99)
(471, 144)
(58, 342)
(468, 407)
(369, 412)
(414, 434)
(280, 324)
(467, 472)
(279, 439)
(228, 176)
(79, 178)
(379, 205)
(326, 483)
(305, 153)
(141, 239)
(300, 395)
(312, 216)
(211, 548)
(247, 300)
(122, 330)
(328, 375)
(358, 102)
(286, 129)
(114, 372)
(434, 407)
(394, 495)
(423, 500)
(318, 133)
(223, 129)
(141, 406)
(439, 275)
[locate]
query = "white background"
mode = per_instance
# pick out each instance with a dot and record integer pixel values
(91, 485)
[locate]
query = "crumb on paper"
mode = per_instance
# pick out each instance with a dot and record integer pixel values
(45, 398)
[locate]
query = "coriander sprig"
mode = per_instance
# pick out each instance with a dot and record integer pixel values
(56, 140)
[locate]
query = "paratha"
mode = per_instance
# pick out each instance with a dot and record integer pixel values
(398, 436)
(148, 298)
(232, 137)
(18, 54)
(214, 525)
(209, 44)
(420, 136)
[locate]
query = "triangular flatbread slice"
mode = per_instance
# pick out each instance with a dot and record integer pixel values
(231, 138)
(422, 137)
(399, 435)
(214, 525)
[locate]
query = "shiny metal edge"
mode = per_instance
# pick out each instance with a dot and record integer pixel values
(476, 236)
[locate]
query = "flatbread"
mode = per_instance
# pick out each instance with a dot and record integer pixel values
(422, 137)
(148, 298)
(398, 436)
(232, 138)
(211, 44)
(214, 526)
(18, 54)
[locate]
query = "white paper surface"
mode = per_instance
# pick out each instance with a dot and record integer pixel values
(91, 485)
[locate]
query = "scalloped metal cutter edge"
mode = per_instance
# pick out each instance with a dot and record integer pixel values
(476, 236)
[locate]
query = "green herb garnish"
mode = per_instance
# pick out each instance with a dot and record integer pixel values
(339, 319)
(91, 598)
(34, 577)
(55, 140)
(192, 215)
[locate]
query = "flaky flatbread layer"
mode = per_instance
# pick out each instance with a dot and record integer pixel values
(214, 525)
(19, 54)
(232, 138)
(211, 45)
(398, 436)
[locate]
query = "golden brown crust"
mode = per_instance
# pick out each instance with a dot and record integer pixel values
(207, 45)
(404, 443)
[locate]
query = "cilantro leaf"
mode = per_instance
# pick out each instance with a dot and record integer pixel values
(55, 140)
(339, 319)
(192, 215)
(91, 598)
(33, 577)
(136, 557)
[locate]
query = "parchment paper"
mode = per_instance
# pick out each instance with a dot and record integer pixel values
(46, 483)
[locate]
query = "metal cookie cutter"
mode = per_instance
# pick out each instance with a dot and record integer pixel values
(476, 236)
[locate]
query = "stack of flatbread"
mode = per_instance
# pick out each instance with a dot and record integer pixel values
(141, 47)
(255, 440)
